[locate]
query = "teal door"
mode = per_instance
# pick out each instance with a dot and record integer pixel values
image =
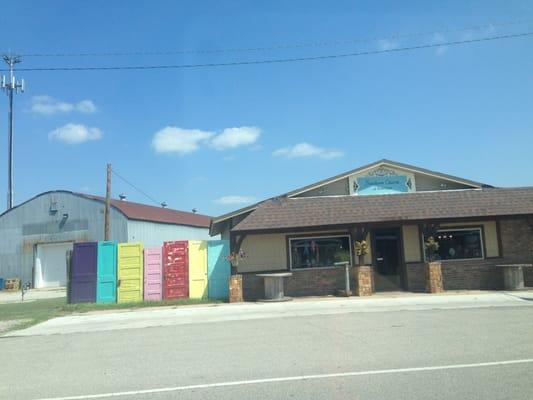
(106, 286)
(218, 269)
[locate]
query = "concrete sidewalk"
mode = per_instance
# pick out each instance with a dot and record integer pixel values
(168, 316)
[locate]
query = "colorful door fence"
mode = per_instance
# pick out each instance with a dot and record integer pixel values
(175, 270)
(130, 272)
(153, 288)
(83, 273)
(197, 269)
(106, 287)
(218, 269)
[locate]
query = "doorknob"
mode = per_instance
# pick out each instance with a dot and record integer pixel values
(379, 259)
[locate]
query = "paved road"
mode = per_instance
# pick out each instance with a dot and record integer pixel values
(474, 353)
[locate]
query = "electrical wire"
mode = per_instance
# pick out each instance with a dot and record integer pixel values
(283, 46)
(279, 60)
(136, 188)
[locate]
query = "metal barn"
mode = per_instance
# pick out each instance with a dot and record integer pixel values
(35, 235)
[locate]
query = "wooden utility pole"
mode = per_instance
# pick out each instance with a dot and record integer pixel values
(107, 217)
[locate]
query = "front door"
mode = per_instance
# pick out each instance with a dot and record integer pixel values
(387, 260)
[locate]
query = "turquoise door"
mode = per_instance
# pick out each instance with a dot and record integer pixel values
(106, 286)
(218, 269)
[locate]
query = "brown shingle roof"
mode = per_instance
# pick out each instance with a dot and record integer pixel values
(145, 212)
(305, 212)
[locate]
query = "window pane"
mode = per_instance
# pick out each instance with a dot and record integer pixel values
(459, 244)
(319, 252)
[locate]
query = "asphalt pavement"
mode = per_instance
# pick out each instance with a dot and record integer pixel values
(469, 353)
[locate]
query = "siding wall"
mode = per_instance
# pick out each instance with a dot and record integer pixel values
(154, 234)
(31, 223)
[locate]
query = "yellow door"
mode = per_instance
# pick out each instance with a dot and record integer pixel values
(130, 272)
(197, 269)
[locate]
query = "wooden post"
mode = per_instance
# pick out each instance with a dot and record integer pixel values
(107, 218)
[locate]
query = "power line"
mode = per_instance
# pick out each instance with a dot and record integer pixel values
(280, 60)
(281, 46)
(137, 188)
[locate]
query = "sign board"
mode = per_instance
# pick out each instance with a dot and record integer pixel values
(368, 185)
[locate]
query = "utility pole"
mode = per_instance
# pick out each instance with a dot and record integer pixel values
(107, 218)
(10, 87)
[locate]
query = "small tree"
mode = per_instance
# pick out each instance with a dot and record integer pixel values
(431, 246)
(361, 249)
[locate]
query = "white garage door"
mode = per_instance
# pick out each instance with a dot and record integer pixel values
(51, 265)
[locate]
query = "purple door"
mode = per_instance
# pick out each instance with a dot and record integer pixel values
(83, 273)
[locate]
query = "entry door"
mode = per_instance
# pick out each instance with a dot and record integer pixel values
(130, 272)
(152, 274)
(197, 269)
(218, 269)
(83, 273)
(176, 269)
(106, 288)
(387, 257)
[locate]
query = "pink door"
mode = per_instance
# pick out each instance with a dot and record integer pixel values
(153, 289)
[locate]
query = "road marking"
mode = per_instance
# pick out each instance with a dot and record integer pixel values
(290, 379)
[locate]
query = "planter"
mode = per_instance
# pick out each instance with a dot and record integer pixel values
(363, 280)
(235, 289)
(434, 277)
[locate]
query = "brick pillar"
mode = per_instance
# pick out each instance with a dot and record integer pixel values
(363, 280)
(235, 289)
(434, 277)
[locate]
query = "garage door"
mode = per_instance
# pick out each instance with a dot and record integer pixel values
(51, 265)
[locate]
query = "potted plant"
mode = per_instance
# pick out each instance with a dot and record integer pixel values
(431, 246)
(361, 250)
(234, 258)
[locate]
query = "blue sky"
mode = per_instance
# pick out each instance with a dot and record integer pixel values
(216, 138)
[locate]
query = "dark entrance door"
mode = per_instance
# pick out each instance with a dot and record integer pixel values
(83, 273)
(387, 260)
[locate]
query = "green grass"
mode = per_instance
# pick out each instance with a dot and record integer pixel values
(41, 310)
(33, 311)
(86, 307)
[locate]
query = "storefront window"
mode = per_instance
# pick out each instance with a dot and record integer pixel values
(312, 252)
(458, 244)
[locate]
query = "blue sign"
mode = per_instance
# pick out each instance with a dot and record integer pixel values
(382, 184)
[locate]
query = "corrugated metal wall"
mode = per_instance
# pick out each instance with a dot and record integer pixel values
(154, 234)
(35, 222)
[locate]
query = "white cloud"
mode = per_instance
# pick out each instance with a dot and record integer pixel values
(235, 199)
(183, 141)
(47, 105)
(75, 134)
(307, 150)
(385, 44)
(437, 39)
(179, 141)
(236, 137)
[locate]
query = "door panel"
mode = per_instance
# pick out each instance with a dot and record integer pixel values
(218, 269)
(153, 273)
(176, 269)
(130, 272)
(198, 269)
(106, 288)
(83, 273)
